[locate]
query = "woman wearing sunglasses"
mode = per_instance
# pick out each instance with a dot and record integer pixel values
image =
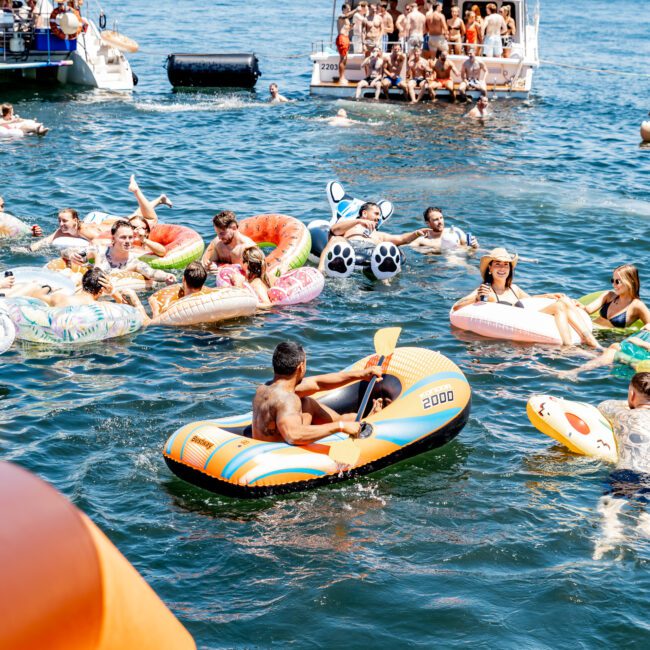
(621, 306)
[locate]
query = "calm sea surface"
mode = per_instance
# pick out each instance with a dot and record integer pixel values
(488, 542)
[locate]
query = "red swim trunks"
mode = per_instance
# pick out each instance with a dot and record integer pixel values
(342, 45)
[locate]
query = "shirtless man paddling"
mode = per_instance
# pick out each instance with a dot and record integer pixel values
(229, 244)
(283, 409)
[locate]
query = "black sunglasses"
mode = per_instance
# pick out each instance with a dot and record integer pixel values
(616, 281)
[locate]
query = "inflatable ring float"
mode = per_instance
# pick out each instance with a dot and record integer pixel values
(505, 322)
(585, 300)
(37, 322)
(119, 279)
(203, 307)
(289, 237)
(578, 426)
(295, 287)
(633, 354)
(183, 246)
(430, 405)
(62, 25)
(11, 226)
(7, 330)
(104, 606)
(43, 277)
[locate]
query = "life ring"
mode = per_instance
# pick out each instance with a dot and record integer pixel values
(203, 307)
(289, 236)
(297, 286)
(183, 245)
(37, 322)
(431, 402)
(578, 426)
(57, 30)
(40, 276)
(505, 322)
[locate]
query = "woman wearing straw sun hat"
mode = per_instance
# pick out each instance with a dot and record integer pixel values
(497, 271)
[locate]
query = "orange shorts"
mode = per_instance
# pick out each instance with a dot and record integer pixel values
(342, 45)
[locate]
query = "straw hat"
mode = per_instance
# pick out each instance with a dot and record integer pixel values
(498, 255)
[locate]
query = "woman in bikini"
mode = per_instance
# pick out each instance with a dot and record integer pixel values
(621, 306)
(506, 39)
(456, 31)
(497, 270)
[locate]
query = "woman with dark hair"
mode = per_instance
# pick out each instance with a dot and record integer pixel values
(141, 239)
(498, 270)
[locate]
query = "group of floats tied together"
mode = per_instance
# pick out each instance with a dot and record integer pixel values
(385, 407)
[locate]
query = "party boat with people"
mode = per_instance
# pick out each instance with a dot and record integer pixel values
(41, 41)
(510, 76)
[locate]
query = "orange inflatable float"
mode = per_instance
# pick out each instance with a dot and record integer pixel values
(64, 585)
(289, 237)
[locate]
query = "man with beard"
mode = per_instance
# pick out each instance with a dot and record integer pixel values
(229, 245)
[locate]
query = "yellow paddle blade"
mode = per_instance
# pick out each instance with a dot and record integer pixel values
(345, 452)
(642, 366)
(386, 340)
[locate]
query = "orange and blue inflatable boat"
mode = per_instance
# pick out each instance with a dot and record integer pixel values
(429, 403)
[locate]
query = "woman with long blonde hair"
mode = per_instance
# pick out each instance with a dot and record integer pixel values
(621, 306)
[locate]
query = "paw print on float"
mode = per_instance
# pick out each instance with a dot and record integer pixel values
(385, 261)
(340, 261)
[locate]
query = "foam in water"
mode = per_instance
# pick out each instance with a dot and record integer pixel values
(195, 105)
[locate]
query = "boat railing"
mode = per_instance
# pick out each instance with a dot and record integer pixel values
(24, 32)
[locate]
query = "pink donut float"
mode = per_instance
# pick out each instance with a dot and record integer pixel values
(298, 286)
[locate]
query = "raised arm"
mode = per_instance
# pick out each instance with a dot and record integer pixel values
(310, 385)
(401, 240)
(341, 227)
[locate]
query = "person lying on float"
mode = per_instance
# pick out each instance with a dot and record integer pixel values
(95, 284)
(497, 271)
(194, 277)
(69, 226)
(229, 245)
(364, 229)
(283, 409)
(438, 237)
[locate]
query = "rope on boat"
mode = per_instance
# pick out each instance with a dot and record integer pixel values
(599, 70)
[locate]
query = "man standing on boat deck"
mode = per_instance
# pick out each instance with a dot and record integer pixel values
(494, 26)
(343, 39)
(415, 26)
(229, 245)
(374, 29)
(388, 27)
(359, 23)
(283, 409)
(436, 27)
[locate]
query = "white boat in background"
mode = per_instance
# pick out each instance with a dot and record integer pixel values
(56, 43)
(507, 77)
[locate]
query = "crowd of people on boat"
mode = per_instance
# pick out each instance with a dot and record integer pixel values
(375, 28)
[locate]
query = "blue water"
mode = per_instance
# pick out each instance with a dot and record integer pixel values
(488, 542)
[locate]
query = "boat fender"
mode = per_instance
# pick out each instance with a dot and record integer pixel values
(135, 78)
(65, 27)
(339, 261)
(385, 261)
(213, 70)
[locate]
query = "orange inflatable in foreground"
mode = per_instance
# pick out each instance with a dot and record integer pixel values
(64, 585)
